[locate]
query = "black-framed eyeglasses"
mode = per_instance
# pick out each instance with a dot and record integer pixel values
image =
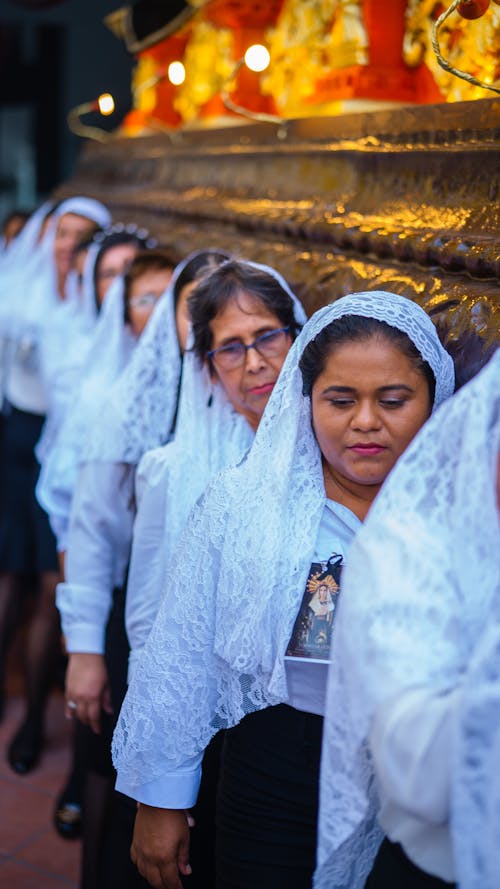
(269, 345)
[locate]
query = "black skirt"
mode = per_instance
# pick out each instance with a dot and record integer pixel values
(394, 870)
(27, 544)
(267, 804)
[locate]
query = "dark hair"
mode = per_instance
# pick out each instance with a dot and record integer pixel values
(469, 350)
(200, 264)
(227, 282)
(115, 239)
(82, 245)
(23, 215)
(355, 328)
(156, 260)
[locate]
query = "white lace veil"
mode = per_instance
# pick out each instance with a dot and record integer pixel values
(140, 408)
(209, 436)
(81, 297)
(109, 352)
(21, 249)
(19, 272)
(35, 311)
(421, 585)
(476, 785)
(66, 336)
(237, 576)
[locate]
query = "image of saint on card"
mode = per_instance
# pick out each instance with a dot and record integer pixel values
(312, 633)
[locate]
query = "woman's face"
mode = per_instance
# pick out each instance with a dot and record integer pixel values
(112, 263)
(242, 320)
(367, 405)
(145, 292)
(71, 229)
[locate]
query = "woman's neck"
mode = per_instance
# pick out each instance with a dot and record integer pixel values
(356, 497)
(61, 286)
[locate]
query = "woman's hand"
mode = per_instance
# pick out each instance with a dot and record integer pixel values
(87, 687)
(160, 847)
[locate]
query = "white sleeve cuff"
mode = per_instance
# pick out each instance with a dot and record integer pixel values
(86, 638)
(84, 616)
(177, 790)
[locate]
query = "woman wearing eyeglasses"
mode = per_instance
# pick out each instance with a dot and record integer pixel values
(244, 319)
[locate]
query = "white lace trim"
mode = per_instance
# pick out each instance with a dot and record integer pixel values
(419, 589)
(110, 349)
(139, 409)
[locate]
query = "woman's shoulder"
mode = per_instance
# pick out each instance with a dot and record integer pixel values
(153, 464)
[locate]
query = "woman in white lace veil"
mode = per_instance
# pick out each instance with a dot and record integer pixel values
(233, 592)
(22, 247)
(63, 367)
(26, 542)
(414, 683)
(210, 435)
(107, 354)
(137, 413)
(24, 251)
(44, 292)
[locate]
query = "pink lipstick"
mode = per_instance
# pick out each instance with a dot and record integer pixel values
(370, 449)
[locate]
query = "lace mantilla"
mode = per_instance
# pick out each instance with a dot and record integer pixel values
(420, 588)
(236, 580)
(110, 349)
(138, 412)
(210, 436)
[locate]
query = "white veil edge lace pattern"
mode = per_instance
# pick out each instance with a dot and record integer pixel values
(419, 588)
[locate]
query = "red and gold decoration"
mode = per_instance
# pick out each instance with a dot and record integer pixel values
(326, 57)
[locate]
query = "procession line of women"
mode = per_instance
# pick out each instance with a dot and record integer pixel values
(269, 524)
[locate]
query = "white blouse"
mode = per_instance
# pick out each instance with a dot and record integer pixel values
(411, 743)
(145, 576)
(99, 539)
(24, 385)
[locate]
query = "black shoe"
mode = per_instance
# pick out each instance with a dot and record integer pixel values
(68, 819)
(25, 748)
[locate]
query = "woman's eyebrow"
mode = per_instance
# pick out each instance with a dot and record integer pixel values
(348, 389)
(237, 339)
(338, 389)
(395, 386)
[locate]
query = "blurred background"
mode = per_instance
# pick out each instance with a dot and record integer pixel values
(53, 56)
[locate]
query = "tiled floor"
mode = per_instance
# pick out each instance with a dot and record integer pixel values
(32, 855)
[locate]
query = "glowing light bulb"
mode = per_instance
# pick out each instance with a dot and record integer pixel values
(176, 73)
(257, 57)
(106, 104)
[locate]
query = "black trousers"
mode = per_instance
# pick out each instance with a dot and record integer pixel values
(267, 805)
(393, 869)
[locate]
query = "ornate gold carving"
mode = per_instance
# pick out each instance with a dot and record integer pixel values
(311, 38)
(407, 201)
(208, 61)
(472, 46)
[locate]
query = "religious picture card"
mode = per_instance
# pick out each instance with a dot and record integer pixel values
(312, 632)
